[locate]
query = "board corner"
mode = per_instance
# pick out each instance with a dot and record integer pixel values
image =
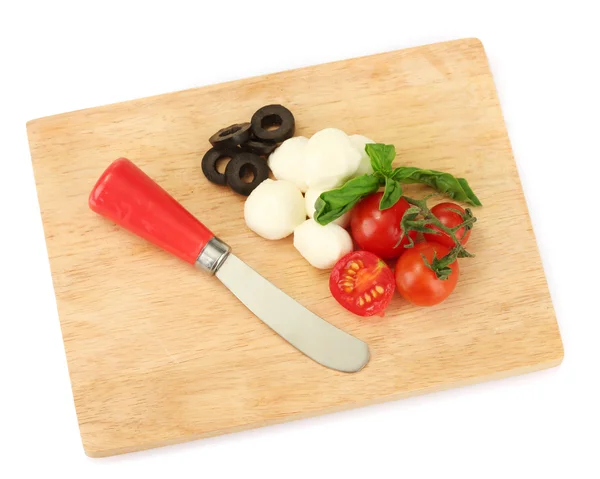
(559, 352)
(475, 42)
(91, 451)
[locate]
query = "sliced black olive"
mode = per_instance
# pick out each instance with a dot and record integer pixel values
(209, 164)
(231, 136)
(242, 165)
(261, 148)
(273, 123)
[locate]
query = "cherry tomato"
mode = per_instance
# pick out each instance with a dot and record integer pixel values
(451, 219)
(379, 231)
(416, 282)
(362, 283)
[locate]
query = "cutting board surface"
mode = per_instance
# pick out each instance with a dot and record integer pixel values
(159, 353)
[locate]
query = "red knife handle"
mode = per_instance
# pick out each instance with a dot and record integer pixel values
(130, 198)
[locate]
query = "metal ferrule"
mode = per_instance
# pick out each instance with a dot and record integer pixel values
(212, 256)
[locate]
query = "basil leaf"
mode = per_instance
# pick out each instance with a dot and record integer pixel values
(403, 172)
(333, 204)
(391, 194)
(381, 157)
(469, 191)
(456, 188)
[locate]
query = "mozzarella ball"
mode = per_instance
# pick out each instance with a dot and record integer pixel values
(274, 209)
(288, 161)
(322, 246)
(359, 142)
(331, 159)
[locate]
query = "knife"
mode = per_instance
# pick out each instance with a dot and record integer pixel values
(127, 196)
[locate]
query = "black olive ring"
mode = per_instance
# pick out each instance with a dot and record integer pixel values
(231, 136)
(261, 148)
(209, 164)
(273, 116)
(241, 164)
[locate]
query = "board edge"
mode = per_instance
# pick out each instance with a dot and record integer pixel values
(99, 453)
(35, 121)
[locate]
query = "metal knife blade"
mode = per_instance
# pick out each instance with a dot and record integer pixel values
(310, 334)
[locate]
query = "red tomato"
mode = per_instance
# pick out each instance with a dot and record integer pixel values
(362, 283)
(416, 282)
(451, 219)
(378, 231)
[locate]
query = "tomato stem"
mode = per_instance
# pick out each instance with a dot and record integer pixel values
(440, 266)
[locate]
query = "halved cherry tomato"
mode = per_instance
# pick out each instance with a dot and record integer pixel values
(379, 231)
(416, 282)
(362, 283)
(451, 219)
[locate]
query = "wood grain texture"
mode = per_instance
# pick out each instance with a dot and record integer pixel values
(159, 353)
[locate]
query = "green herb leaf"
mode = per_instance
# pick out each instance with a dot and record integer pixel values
(403, 172)
(465, 186)
(381, 157)
(455, 188)
(391, 194)
(333, 204)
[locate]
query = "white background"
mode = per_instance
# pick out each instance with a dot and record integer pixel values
(546, 62)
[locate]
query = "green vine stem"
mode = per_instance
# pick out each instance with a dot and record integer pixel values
(420, 218)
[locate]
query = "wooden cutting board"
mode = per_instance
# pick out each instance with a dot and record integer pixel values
(158, 353)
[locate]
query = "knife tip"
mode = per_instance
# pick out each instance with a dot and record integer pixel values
(361, 361)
